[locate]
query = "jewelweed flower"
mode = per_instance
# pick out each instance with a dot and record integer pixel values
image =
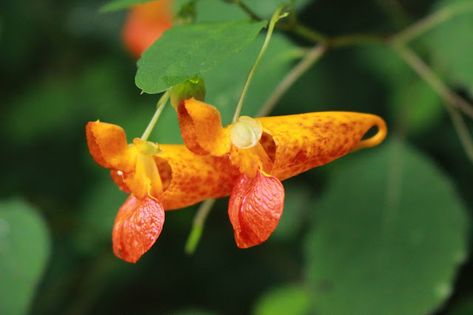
(246, 160)
(145, 24)
(158, 178)
(268, 150)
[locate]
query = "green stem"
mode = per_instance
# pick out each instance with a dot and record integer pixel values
(198, 225)
(452, 101)
(426, 73)
(430, 21)
(246, 9)
(307, 33)
(274, 19)
(159, 109)
(354, 39)
(308, 61)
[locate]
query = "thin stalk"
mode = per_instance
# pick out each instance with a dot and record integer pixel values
(159, 109)
(246, 9)
(308, 61)
(452, 101)
(430, 21)
(274, 19)
(426, 73)
(307, 33)
(462, 130)
(198, 225)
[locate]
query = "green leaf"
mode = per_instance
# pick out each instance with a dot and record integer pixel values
(24, 252)
(451, 45)
(389, 235)
(419, 104)
(188, 50)
(121, 4)
(294, 300)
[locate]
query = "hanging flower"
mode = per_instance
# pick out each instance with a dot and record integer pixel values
(145, 24)
(268, 150)
(158, 178)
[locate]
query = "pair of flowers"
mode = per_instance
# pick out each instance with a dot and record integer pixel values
(246, 160)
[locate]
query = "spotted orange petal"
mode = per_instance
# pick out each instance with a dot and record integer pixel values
(201, 128)
(137, 227)
(297, 143)
(108, 146)
(145, 24)
(255, 207)
(189, 178)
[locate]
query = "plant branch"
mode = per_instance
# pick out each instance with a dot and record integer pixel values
(310, 58)
(159, 109)
(430, 21)
(198, 225)
(462, 131)
(452, 101)
(252, 14)
(424, 71)
(304, 32)
(277, 15)
(354, 39)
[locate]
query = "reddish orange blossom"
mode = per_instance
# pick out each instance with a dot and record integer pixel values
(145, 24)
(158, 178)
(246, 160)
(268, 150)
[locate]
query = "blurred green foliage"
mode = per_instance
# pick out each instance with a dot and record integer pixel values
(378, 232)
(24, 251)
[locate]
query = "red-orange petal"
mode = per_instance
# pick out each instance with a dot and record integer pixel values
(137, 227)
(145, 24)
(108, 146)
(201, 128)
(255, 207)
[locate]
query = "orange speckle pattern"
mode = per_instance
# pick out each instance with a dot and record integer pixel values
(309, 140)
(195, 178)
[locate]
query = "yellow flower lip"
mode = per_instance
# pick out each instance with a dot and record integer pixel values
(246, 132)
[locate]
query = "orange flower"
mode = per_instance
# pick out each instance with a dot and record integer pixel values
(158, 178)
(247, 160)
(145, 24)
(268, 150)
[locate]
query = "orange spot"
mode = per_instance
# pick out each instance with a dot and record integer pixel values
(255, 207)
(137, 227)
(145, 24)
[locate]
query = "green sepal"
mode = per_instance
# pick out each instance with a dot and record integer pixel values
(192, 88)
